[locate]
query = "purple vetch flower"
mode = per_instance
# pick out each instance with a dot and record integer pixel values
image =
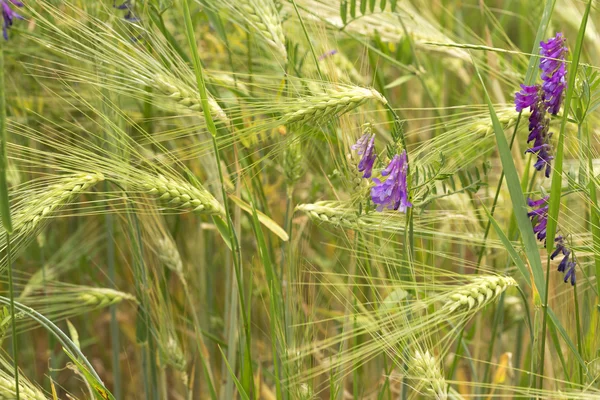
(9, 15)
(533, 97)
(570, 272)
(527, 97)
(539, 216)
(565, 265)
(554, 71)
(393, 192)
(365, 147)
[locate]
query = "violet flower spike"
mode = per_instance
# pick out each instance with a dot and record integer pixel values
(539, 216)
(552, 64)
(570, 273)
(527, 97)
(393, 192)
(365, 147)
(9, 15)
(533, 97)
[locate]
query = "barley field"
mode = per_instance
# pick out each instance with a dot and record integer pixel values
(299, 199)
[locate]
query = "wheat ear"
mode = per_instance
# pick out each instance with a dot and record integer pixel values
(52, 199)
(181, 195)
(482, 291)
(336, 102)
(425, 368)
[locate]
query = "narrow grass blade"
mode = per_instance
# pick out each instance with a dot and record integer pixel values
(264, 219)
(510, 248)
(238, 384)
(4, 201)
(516, 196)
(557, 168)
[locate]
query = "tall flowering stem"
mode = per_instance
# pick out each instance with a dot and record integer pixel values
(6, 218)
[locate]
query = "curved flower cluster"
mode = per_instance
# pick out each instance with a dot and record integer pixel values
(393, 192)
(541, 100)
(539, 218)
(565, 265)
(554, 72)
(544, 98)
(533, 97)
(9, 15)
(365, 147)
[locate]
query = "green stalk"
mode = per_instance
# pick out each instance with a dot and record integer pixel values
(232, 237)
(529, 80)
(114, 325)
(6, 218)
(13, 325)
(149, 356)
(557, 170)
(578, 329)
(594, 220)
(312, 49)
(4, 200)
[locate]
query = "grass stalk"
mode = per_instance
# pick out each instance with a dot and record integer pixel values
(236, 254)
(5, 215)
(557, 170)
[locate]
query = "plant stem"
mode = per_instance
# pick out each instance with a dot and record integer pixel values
(13, 325)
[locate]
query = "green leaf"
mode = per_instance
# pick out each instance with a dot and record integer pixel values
(516, 196)
(264, 219)
(363, 7)
(223, 229)
(344, 11)
(238, 384)
(566, 338)
(510, 248)
(557, 168)
(399, 81)
(74, 334)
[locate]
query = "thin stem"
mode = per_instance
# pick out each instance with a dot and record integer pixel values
(578, 329)
(236, 252)
(312, 49)
(13, 324)
(5, 214)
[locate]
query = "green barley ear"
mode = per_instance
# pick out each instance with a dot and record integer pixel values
(26, 389)
(336, 101)
(262, 17)
(103, 297)
(425, 368)
(187, 98)
(181, 195)
(56, 196)
(476, 295)
(172, 354)
(293, 167)
(333, 213)
(169, 255)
